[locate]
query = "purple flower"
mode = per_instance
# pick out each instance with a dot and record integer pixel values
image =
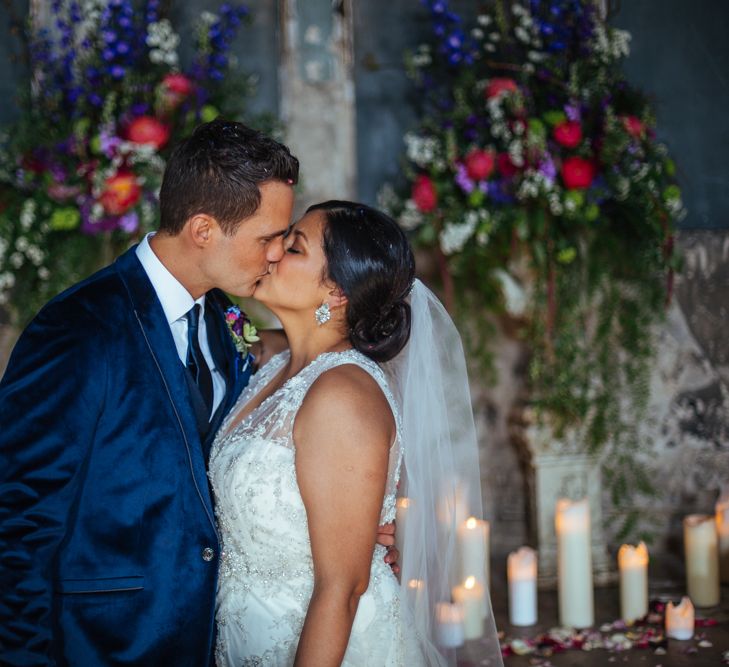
(129, 222)
(547, 168)
(92, 227)
(572, 111)
(462, 179)
(117, 72)
(109, 143)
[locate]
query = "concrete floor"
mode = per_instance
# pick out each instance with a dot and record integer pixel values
(666, 583)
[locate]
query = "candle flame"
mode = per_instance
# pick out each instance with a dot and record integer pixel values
(403, 502)
(415, 583)
(470, 583)
(630, 556)
(471, 523)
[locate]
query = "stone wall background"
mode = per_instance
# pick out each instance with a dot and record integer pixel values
(679, 56)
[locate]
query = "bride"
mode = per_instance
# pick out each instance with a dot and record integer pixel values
(308, 463)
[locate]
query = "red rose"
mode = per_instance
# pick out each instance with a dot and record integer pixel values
(177, 83)
(148, 130)
(175, 87)
(479, 164)
(505, 166)
(122, 191)
(499, 86)
(568, 134)
(424, 194)
(633, 126)
(577, 173)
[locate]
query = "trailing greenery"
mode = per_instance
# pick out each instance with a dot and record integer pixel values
(536, 180)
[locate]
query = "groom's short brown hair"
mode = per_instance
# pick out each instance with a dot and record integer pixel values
(217, 171)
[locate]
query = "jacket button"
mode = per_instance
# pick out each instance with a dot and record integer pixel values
(208, 554)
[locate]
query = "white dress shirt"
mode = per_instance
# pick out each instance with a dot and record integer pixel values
(176, 302)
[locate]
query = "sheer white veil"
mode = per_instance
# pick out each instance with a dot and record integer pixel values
(440, 475)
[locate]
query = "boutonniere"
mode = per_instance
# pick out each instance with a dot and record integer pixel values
(241, 329)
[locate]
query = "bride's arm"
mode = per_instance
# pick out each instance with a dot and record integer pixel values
(343, 433)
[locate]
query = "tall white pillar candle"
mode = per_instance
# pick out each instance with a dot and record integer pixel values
(722, 534)
(680, 620)
(702, 559)
(521, 572)
(449, 625)
(473, 545)
(633, 566)
(470, 595)
(574, 563)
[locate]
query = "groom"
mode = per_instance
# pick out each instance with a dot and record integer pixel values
(108, 545)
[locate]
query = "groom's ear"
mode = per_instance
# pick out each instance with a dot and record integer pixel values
(200, 229)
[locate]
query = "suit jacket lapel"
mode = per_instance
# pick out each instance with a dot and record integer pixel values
(158, 337)
(237, 371)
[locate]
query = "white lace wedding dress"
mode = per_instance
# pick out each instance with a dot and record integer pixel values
(266, 574)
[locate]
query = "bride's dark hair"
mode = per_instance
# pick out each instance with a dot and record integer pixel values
(370, 259)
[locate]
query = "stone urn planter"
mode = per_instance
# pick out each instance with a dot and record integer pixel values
(559, 468)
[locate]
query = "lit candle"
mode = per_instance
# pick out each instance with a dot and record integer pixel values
(473, 543)
(574, 563)
(402, 505)
(680, 620)
(470, 596)
(722, 532)
(702, 559)
(416, 592)
(449, 624)
(633, 566)
(521, 571)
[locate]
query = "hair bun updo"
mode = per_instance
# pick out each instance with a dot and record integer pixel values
(370, 259)
(382, 339)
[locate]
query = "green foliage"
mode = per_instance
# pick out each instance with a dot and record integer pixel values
(535, 176)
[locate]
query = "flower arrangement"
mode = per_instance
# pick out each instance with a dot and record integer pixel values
(81, 169)
(536, 178)
(241, 329)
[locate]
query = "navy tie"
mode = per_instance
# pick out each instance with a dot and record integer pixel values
(196, 363)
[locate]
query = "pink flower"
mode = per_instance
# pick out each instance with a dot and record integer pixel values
(633, 126)
(505, 166)
(578, 173)
(479, 164)
(568, 134)
(424, 194)
(148, 130)
(176, 87)
(499, 86)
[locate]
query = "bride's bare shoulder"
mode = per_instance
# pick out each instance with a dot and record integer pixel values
(349, 400)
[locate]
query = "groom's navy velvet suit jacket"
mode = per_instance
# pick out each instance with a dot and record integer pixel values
(105, 509)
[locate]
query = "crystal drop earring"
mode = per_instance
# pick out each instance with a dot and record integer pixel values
(322, 314)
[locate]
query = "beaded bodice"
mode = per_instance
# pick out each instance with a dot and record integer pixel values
(266, 569)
